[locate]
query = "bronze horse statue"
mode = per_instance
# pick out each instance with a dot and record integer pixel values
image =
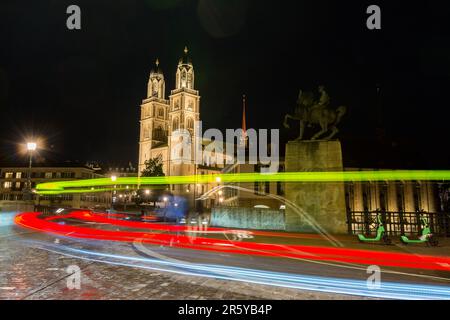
(311, 112)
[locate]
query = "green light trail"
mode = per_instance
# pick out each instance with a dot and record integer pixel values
(92, 185)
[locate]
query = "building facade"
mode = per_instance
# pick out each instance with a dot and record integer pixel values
(14, 179)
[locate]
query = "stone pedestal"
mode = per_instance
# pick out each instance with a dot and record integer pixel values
(325, 202)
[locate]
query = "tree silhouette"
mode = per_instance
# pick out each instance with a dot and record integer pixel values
(153, 168)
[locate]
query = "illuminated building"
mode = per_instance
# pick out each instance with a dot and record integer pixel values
(13, 179)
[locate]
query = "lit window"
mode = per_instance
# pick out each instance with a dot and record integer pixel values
(8, 175)
(7, 185)
(48, 175)
(17, 185)
(18, 175)
(175, 124)
(190, 123)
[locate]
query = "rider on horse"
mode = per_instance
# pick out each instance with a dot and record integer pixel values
(324, 99)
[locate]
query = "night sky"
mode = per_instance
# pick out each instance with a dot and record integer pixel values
(81, 90)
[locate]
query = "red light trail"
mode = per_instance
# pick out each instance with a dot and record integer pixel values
(33, 220)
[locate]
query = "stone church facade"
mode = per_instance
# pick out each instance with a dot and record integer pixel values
(160, 116)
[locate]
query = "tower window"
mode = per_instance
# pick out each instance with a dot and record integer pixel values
(190, 105)
(161, 112)
(189, 81)
(183, 79)
(159, 134)
(155, 88)
(175, 124)
(190, 123)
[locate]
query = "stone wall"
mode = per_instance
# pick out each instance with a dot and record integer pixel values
(19, 206)
(325, 202)
(248, 218)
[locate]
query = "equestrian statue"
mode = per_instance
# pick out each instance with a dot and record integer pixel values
(311, 112)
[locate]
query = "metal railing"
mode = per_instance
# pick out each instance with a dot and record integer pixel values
(398, 223)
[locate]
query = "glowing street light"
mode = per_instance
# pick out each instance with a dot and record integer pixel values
(147, 192)
(31, 146)
(113, 178)
(218, 179)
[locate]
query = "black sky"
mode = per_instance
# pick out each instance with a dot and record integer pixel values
(82, 89)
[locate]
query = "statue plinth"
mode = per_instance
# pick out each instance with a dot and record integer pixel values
(322, 201)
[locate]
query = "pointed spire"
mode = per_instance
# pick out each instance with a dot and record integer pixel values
(157, 62)
(185, 59)
(244, 123)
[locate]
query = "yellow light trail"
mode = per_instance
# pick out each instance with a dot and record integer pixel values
(92, 185)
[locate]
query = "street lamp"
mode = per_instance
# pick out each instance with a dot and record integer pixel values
(31, 146)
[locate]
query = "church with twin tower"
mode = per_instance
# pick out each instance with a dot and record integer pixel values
(161, 116)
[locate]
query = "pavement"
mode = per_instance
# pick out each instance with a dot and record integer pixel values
(30, 269)
(29, 273)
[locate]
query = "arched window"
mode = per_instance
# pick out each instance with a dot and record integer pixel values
(183, 79)
(155, 88)
(189, 80)
(159, 133)
(175, 124)
(161, 112)
(190, 123)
